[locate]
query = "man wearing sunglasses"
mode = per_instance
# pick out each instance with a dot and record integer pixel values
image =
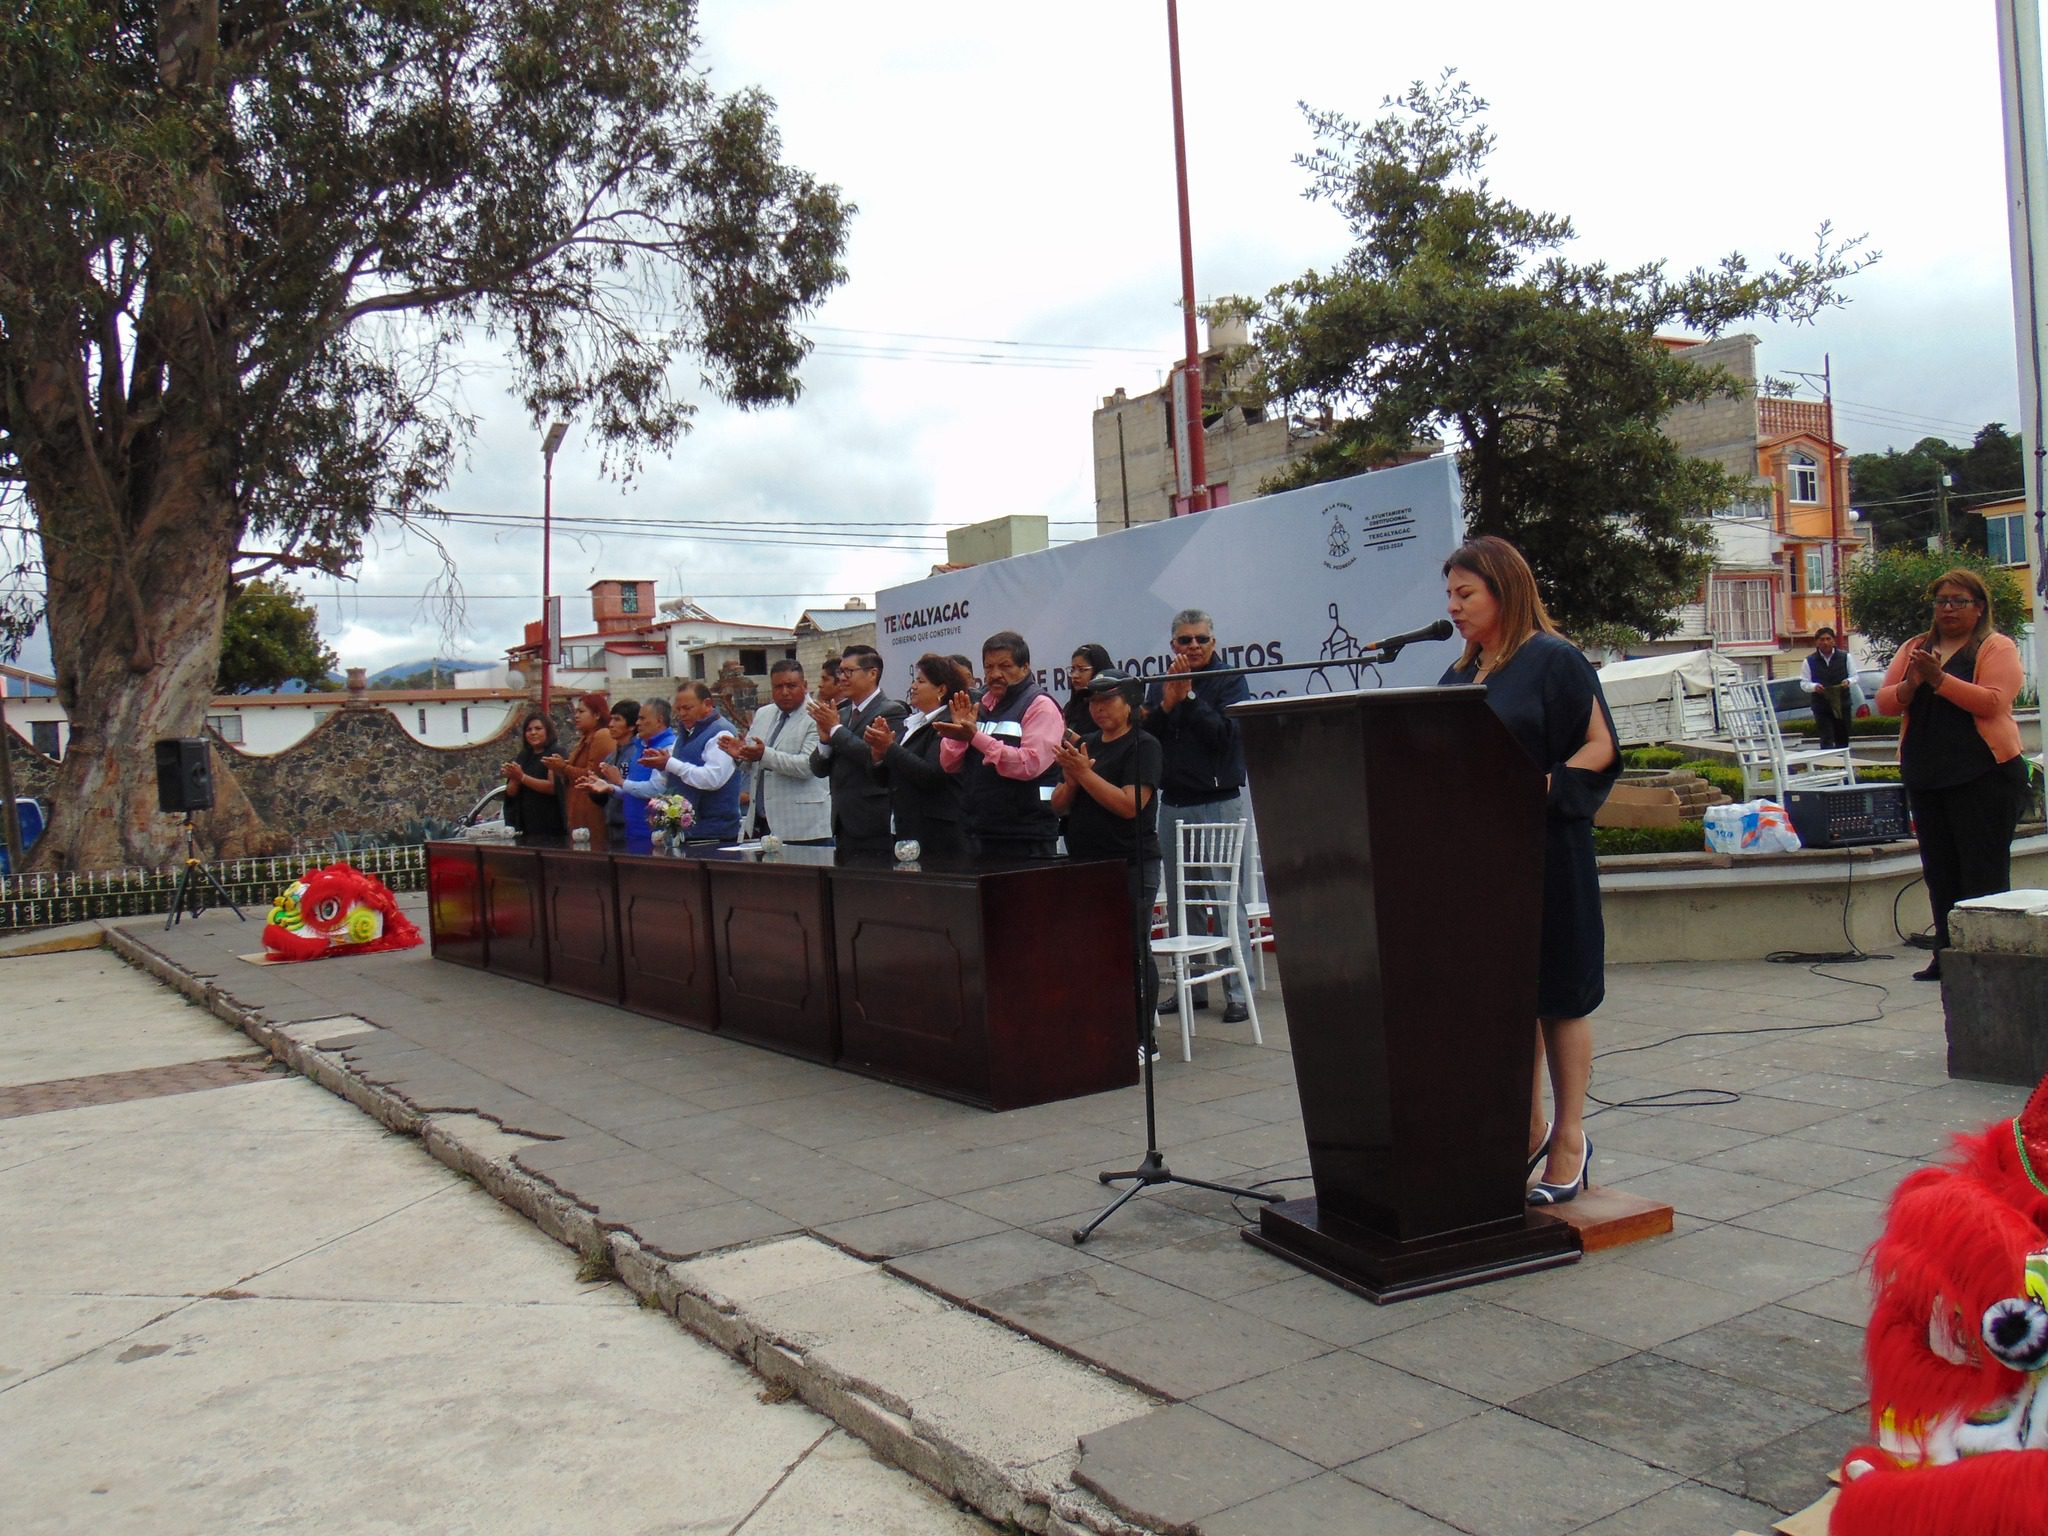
(1204, 773)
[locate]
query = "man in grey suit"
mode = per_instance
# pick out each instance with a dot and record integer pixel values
(860, 805)
(787, 799)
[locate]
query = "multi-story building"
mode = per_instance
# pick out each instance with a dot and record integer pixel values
(1779, 552)
(1137, 477)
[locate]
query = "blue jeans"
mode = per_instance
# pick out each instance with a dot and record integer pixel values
(1170, 818)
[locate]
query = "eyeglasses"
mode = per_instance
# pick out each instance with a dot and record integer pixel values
(1955, 602)
(1193, 639)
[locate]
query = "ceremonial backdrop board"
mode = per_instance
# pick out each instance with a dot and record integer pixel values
(1313, 575)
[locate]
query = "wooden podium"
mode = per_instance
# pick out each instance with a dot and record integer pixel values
(1401, 832)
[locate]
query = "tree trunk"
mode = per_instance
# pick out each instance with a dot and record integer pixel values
(134, 669)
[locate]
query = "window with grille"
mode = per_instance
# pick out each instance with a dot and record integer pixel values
(1742, 609)
(226, 727)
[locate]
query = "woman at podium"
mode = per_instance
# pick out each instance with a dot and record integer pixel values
(1548, 696)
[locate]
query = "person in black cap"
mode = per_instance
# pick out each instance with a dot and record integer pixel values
(1109, 793)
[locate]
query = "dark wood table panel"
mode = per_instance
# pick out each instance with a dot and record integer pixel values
(455, 911)
(772, 933)
(664, 918)
(515, 926)
(911, 980)
(943, 986)
(583, 926)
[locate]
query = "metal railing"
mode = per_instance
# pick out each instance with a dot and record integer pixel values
(43, 900)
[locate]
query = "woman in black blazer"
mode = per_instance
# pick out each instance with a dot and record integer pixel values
(923, 797)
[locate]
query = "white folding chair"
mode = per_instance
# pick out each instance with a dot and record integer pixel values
(1767, 767)
(1211, 855)
(1258, 912)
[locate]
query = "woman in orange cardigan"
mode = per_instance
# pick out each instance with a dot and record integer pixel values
(1959, 748)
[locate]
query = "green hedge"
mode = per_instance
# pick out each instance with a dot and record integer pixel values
(1877, 773)
(1874, 725)
(1686, 837)
(1652, 757)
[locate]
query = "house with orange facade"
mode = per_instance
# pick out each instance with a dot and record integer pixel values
(1780, 552)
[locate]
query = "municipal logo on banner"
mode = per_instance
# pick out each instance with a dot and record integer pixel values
(1337, 539)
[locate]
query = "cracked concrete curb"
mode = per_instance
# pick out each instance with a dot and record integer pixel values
(1041, 1496)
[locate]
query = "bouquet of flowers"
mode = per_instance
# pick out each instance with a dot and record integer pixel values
(670, 815)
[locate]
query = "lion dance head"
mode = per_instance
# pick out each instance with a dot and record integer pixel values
(1957, 1349)
(338, 910)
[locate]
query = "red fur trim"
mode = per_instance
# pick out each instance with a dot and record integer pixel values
(1961, 1233)
(2002, 1494)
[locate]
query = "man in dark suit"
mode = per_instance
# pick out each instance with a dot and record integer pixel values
(860, 805)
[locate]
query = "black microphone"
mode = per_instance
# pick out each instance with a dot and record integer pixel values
(1440, 630)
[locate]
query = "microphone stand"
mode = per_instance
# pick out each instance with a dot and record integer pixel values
(1152, 1169)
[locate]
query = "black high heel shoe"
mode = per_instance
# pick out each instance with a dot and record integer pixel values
(1536, 1157)
(1558, 1194)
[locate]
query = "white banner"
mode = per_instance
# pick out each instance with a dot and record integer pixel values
(1314, 575)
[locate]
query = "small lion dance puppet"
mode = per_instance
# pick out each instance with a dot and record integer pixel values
(338, 910)
(1957, 1349)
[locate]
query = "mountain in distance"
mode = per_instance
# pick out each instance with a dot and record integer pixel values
(431, 672)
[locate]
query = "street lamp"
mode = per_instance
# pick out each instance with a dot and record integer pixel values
(556, 432)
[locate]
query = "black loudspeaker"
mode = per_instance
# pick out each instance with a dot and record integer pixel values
(184, 775)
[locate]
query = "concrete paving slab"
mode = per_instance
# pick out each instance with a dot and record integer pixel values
(1755, 1265)
(1779, 1349)
(1667, 1413)
(1484, 1473)
(1689, 1508)
(1320, 1506)
(1790, 1473)
(41, 1332)
(1312, 1409)
(1493, 1353)
(1204, 1347)
(1178, 1465)
(78, 1015)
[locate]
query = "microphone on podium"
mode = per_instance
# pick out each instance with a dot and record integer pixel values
(1390, 647)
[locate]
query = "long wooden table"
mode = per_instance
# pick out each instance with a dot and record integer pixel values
(1003, 983)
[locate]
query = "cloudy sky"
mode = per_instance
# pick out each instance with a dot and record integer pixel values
(1015, 256)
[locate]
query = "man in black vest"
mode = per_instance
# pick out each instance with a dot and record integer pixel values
(860, 805)
(1827, 680)
(1004, 752)
(1203, 779)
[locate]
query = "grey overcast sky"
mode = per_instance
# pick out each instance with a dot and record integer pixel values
(1015, 256)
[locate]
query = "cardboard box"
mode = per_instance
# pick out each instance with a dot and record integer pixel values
(1632, 805)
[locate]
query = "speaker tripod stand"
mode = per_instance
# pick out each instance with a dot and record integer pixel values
(189, 883)
(1152, 1170)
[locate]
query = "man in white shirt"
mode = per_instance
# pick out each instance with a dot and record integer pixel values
(787, 799)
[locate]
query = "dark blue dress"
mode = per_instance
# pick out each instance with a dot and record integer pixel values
(1545, 696)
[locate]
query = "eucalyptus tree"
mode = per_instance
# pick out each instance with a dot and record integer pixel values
(244, 241)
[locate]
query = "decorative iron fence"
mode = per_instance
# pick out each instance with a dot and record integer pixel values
(39, 901)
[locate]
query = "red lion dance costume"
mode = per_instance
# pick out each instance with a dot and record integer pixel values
(1958, 1347)
(338, 910)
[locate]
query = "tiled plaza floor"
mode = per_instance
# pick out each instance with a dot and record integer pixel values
(1706, 1381)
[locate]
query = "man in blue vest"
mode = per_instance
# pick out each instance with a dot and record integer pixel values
(697, 766)
(640, 784)
(1004, 751)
